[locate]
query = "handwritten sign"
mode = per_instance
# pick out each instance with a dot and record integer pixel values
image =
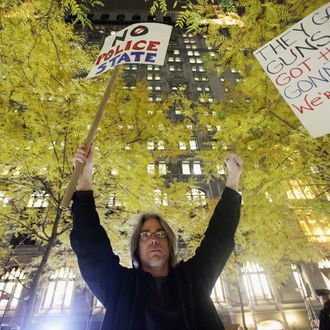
(144, 43)
(298, 63)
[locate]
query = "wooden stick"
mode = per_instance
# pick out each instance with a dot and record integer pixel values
(88, 142)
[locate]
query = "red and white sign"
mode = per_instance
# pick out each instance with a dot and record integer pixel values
(143, 43)
(298, 63)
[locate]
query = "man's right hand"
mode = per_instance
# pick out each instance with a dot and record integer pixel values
(86, 176)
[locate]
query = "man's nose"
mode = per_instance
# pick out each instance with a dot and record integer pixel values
(154, 239)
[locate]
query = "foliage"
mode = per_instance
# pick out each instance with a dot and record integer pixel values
(276, 149)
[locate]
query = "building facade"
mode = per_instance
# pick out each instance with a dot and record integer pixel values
(62, 304)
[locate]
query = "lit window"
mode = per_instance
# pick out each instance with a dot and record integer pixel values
(314, 229)
(185, 168)
(11, 289)
(38, 199)
(161, 145)
(150, 145)
(153, 76)
(151, 168)
(301, 280)
(153, 67)
(197, 196)
(220, 169)
(217, 294)
(59, 292)
(162, 168)
(114, 171)
(113, 201)
(5, 170)
(182, 146)
(255, 282)
(197, 169)
(177, 111)
(193, 144)
(160, 198)
(324, 267)
(3, 199)
(299, 190)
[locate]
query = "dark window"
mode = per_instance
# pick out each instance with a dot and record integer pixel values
(120, 17)
(105, 17)
(136, 18)
(167, 19)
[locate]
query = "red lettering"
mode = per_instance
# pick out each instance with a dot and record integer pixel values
(136, 45)
(305, 64)
(128, 45)
(153, 45)
(100, 58)
(301, 108)
(283, 82)
(327, 95)
(300, 72)
(118, 50)
(316, 99)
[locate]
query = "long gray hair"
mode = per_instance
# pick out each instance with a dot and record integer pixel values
(135, 239)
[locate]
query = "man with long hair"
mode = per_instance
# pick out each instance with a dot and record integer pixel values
(157, 293)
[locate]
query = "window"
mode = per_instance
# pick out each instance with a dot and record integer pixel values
(197, 68)
(175, 67)
(185, 168)
(155, 87)
(153, 67)
(174, 59)
(197, 196)
(160, 198)
(151, 168)
(200, 77)
(300, 190)
(131, 67)
(113, 201)
(162, 168)
(317, 230)
(59, 292)
(150, 145)
(38, 199)
(182, 146)
(220, 169)
(203, 88)
(324, 267)
(153, 76)
(193, 53)
(217, 294)
(3, 199)
(197, 169)
(11, 289)
(195, 60)
(161, 145)
(302, 281)
(255, 282)
(193, 144)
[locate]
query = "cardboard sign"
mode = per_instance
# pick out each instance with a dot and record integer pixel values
(298, 63)
(144, 43)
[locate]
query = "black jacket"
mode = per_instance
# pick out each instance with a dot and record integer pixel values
(324, 317)
(121, 290)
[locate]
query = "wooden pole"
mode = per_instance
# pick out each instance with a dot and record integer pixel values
(88, 142)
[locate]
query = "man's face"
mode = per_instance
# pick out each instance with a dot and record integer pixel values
(153, 251)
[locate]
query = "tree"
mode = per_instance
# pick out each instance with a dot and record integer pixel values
(46, 107)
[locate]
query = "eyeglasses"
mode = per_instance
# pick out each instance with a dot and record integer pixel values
(144, 235)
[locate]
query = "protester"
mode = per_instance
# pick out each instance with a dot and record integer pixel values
(324, 316)
(157, 293)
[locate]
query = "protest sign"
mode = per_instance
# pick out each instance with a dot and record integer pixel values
(143, 43)
(138, 43)
(298, 63)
